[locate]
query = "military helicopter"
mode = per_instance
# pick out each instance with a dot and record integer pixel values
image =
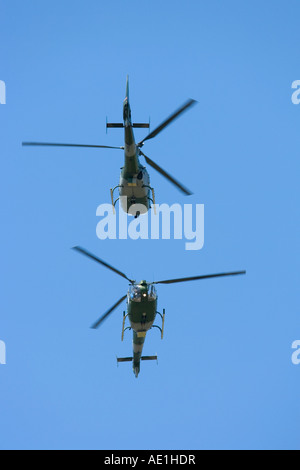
(134, 180)
(141, 308)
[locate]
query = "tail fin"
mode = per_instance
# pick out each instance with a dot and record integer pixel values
(126, 107)
(143, 358)
(127, 87)
(144, 125)
(124, 359)
(149, 358)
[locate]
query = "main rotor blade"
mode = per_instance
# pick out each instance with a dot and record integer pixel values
(195, 278)
(47, 144)
(168, 121)
(98, 260)
(166, 175)
(101, 319)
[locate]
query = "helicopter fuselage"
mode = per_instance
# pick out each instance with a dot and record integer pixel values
(135, 193)
(136, 190)
(134, 184)
(141, 312)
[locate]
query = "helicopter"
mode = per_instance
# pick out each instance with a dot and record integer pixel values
(141, 308)
(134, 184)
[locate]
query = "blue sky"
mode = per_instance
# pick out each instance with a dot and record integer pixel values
(225, 377)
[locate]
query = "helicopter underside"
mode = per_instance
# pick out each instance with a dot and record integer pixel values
(137, 191)
(142, 314)
(141, 317)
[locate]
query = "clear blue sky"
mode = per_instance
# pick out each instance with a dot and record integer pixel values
(225, 377)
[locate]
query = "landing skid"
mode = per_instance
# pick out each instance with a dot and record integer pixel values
(162, 316)
(112, 197)
(123, 326)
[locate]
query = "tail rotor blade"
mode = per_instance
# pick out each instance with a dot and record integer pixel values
(196, 278)
(166, 175)
(84, 252)
(106, 314)
(47, 144)
(168, 121)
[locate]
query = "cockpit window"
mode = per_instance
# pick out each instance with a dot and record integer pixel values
(152, 293)
(136, 293)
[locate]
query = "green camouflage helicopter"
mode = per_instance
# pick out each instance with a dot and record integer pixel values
(134, 182)
(141, 308)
